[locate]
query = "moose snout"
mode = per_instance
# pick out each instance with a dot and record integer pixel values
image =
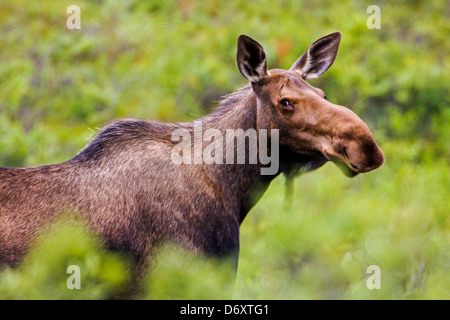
(351, 146)
(356, 156)
(363, 155)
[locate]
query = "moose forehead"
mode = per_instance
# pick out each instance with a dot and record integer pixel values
(289, 83)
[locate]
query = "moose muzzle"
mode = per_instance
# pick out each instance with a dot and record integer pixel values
(352, 147)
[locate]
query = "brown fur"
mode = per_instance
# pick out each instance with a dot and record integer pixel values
(124, 185)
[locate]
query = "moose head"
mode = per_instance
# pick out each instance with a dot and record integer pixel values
(309, 124)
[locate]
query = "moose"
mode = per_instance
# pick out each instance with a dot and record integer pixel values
(125, 187)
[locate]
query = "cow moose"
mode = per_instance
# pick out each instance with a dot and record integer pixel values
(128, 190)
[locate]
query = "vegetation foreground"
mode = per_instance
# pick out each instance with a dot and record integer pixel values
(318, 247)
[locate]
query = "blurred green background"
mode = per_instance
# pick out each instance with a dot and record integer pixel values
(171, 61)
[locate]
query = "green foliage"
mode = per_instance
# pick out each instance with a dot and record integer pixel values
(318, 248)
(170, 60)
(396, 218)
(177, 274)
(45, 274)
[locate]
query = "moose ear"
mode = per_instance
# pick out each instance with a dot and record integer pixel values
(319, 56)
(251, 59)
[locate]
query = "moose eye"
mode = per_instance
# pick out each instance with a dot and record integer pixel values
(286, 104)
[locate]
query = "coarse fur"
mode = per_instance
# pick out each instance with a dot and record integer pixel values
(126, 188)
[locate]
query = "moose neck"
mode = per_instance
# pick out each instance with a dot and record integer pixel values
(243, 183)
(235, 111)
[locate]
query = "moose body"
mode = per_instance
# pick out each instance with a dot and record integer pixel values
(128, 190)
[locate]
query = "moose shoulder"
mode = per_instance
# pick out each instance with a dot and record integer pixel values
(125, 185)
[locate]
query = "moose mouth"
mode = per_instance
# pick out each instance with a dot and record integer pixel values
(343, 163)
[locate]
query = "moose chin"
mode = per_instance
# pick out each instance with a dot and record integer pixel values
(128, 190)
